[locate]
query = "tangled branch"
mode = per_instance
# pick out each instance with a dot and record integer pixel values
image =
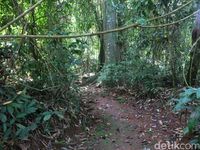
(135, 25)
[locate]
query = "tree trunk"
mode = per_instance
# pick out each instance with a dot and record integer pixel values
(121, 44)
(32, 42)
(112, 54)
(101, 53)
(194, 59)
(99, 26)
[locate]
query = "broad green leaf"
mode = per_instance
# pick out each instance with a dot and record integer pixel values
(3, 118)
(10, 110)
(185, 100)
(47, 117)
(7, 134)
(198, 93)
(195, 114)
(179, 107)
(188, 92)
(24, 134)
(142, 21)
(192, 124)
(12, 121)
(4, 127)
(33, 126)
(194, 141)
(46, 113)
(16, 105)
(3, 110)
(32, 103)
(59, 114)
(38, 119)
(186, 130)
(20, 126)
(31, 110)
(21, 115)
(18, 132)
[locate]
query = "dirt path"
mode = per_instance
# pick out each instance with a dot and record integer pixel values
(120, 125)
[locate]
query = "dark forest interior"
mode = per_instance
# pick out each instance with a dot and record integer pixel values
(99, 74)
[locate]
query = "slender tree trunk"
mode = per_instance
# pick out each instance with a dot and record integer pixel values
(121, 43)
(31, 26)
(173, 39)
(99, 25)
(174, 55)
(101, 53)
(32, 42)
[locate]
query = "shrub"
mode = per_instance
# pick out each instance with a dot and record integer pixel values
(132, 74)
(20, 114)
(189, 100)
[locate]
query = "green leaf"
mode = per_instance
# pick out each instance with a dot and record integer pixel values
(32, 127)
(192, 124)
(3, 118)
(198, 93)
(16, 105)
(18, 132)
(22, 133)
(195, 114)
(186, 130)
(47, 117)
(20, 126)
(46, 113)
(38, 119)
(194, 141)
(32, 103)
(31, 110)
(185, 100)
(188, 92)
(142, 21)
(12, 121)
(10, 110)
(7, 133)
(179, 107)
(21, 115)
(4, 127)
(59, 114)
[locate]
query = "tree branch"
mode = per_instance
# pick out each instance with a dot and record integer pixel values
(20, 16)
(136, 25)
(172, 12)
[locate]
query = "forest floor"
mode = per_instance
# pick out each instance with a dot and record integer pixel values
(124, 122)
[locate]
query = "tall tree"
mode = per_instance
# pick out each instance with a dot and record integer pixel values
(110, 40)
(99, 26)
(121, 20)
(195, 53)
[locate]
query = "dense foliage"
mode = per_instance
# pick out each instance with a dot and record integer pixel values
(188, 101)
(40, 77)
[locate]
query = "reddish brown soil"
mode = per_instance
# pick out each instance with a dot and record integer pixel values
(126, 123)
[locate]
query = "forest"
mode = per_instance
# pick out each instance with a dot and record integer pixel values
(99, 74)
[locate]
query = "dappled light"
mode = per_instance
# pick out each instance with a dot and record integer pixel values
(99, 75)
